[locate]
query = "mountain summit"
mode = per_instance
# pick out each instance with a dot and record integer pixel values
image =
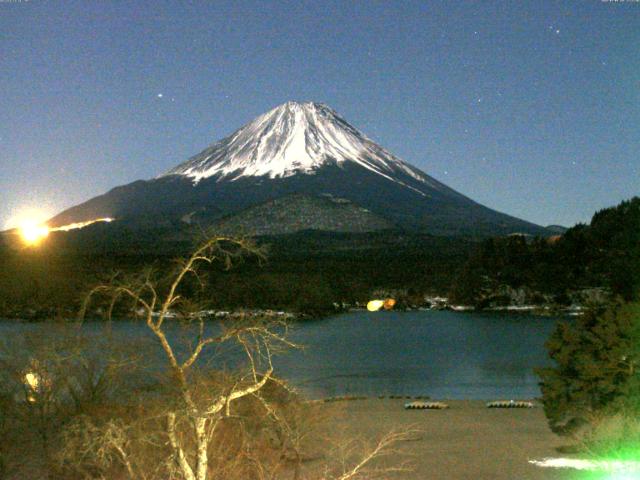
(290, 139)
(329, 175)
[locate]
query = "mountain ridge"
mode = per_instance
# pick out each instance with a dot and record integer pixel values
(304, 148)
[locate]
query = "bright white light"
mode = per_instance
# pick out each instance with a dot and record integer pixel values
(613, 466)
(32, 380)
(38, 215)
(30, 224)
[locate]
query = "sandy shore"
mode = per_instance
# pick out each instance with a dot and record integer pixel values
(466, 441)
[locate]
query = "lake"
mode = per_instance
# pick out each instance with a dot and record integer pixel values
(441, 354)
(437, 353)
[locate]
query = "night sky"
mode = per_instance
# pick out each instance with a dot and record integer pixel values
(531, 108)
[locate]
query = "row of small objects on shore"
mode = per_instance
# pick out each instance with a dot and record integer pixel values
(442, 405)
(422, 402)
(426, 406)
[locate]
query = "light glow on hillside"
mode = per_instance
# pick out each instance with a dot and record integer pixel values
(74, 226)
(33, 230)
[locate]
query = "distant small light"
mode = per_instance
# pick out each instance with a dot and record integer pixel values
(160, 95)
(32, 380)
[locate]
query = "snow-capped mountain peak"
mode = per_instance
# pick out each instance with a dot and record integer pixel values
(298, 167)
(294, 138)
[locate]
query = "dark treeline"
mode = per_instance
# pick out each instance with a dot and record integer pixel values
(605, 253)
(310, 271)
(305, 272)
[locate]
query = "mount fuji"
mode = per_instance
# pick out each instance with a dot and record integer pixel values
(299, 166)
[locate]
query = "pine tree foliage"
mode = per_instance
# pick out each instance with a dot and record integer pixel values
(596, 368)
(605, 253)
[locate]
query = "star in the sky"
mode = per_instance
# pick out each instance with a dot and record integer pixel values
(160, 95)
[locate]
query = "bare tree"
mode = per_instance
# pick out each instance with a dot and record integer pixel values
(49, 374)
(207, 406)
(357, 459)
(259, 338)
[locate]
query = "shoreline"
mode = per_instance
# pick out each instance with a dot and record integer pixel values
(354, 398)
(465, 441)
(295, 317)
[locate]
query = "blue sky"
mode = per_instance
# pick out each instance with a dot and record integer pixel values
(531, 108)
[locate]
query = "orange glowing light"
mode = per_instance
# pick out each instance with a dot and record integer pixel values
(389, 303)
(33, 232)
(32, 228)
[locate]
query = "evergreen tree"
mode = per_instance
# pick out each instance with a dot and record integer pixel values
(596, 367)
(605, 253)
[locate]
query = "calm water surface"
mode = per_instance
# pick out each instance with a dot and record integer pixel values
(437, 353)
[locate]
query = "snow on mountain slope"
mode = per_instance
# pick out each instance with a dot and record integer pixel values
(296, 138)
(298, 148)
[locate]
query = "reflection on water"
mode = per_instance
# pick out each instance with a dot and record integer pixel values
(437, 353)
